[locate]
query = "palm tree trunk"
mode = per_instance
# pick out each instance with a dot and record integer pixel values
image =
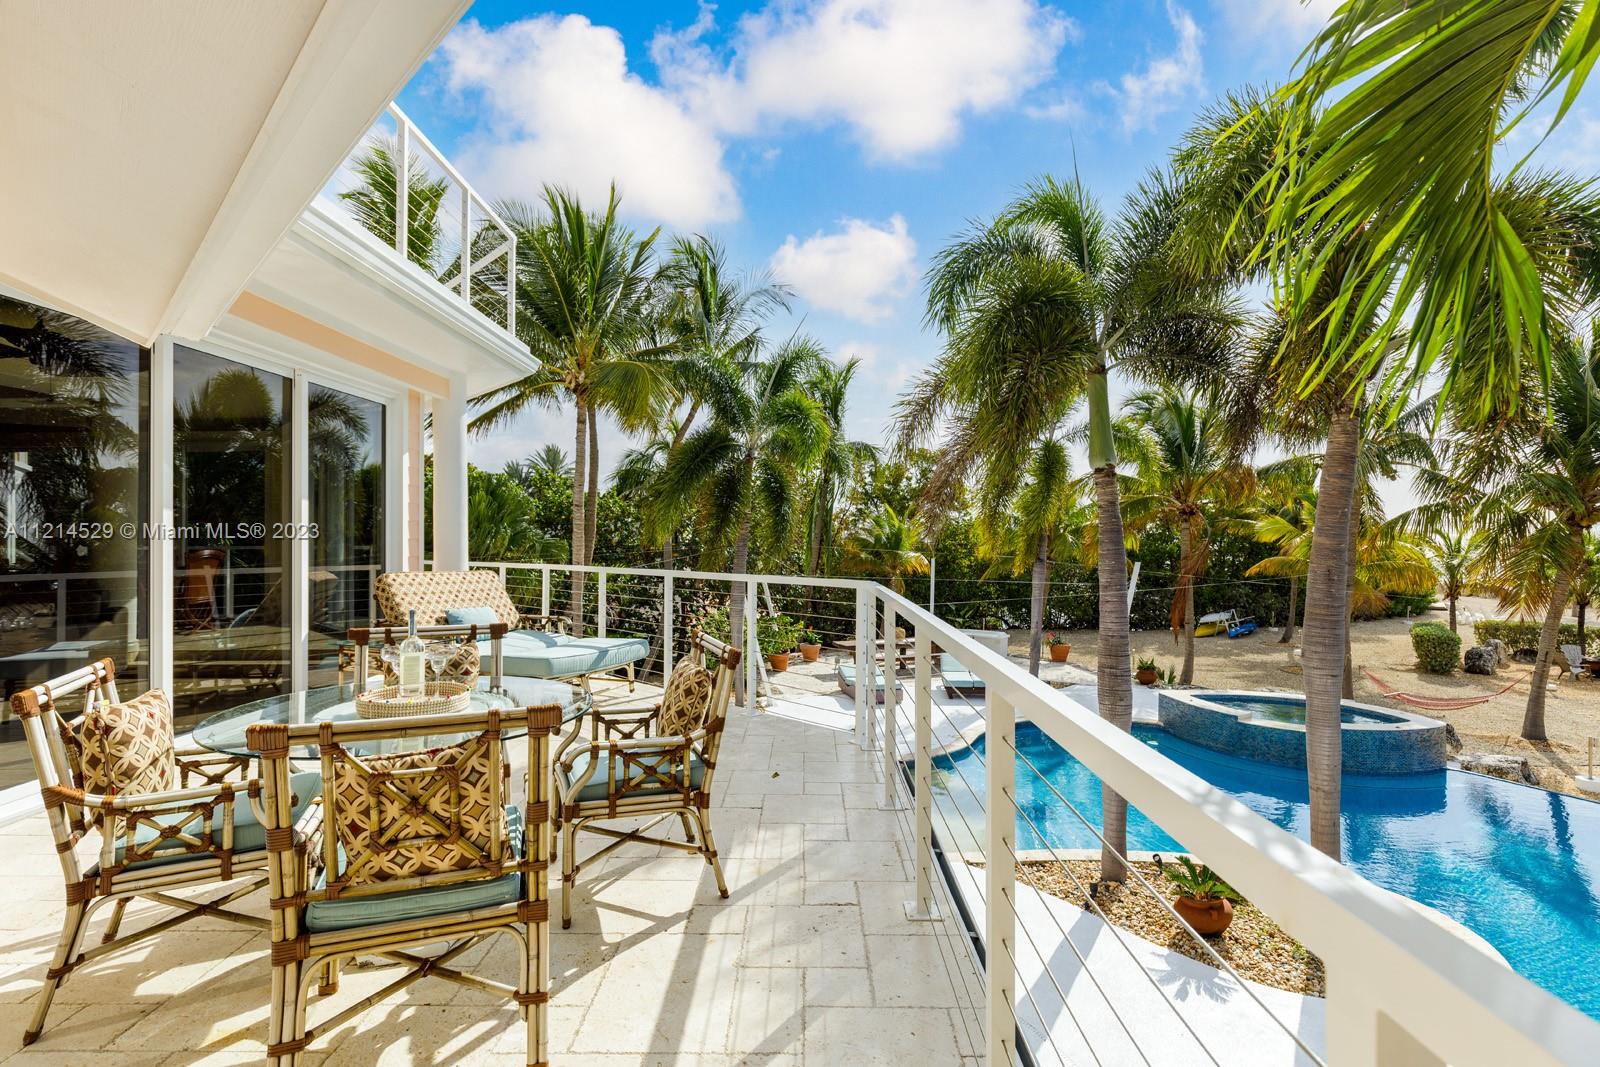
(591, 524)
(1294, 598)
(814, 545)
(1041, 577)
(1115, 674)
(1533, 717)
(1348, 688)
(1583, 645)
(1186, 553)
(580, 458)
(683, 427)
(1453, 618)
(736, 595)
(1326, 619)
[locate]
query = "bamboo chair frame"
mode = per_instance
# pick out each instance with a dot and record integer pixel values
(299, 853)
(646, 774)
(114, 879)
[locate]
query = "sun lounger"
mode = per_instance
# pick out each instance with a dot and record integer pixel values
(847, 681)
(958, 681)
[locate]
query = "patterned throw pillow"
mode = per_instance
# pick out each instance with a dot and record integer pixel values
(417, 812)
(686, 700)
(462, 666)
(128, 747)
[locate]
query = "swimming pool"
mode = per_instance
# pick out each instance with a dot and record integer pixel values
(1293, 709)
(1517, 865)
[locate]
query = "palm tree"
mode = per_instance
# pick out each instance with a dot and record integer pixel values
(739, 474)
(552, 460)
(1454, 551)
(840, 461)
(1284, 513)
(1586, 587)
(1387, 562)
(586, 290)
(888, 544)
(376, 206)
(1037, 308)
(1188, 479)
(1042, 526)
(1538, 479)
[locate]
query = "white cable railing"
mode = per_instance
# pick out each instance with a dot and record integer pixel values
(1400, 990)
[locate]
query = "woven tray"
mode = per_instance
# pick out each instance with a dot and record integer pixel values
(387, 703)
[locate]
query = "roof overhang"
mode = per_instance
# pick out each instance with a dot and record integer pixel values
(157, 152)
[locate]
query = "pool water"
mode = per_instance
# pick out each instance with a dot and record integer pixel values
(1517, 865)
(1292, 710)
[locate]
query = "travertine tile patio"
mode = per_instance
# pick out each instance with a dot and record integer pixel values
(810, 961)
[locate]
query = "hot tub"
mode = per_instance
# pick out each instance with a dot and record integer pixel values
(1271, 727)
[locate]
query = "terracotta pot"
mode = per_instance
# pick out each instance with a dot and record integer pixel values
(1145, 677)
(1208, 917)
(809, 653)
(1059, 653)
(779, 662)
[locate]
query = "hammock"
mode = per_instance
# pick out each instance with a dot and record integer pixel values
(1436, 703)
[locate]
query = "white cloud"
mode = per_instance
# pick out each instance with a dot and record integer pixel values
(1167, 81)
(899, 73)
(1064, 107)
(561, 106)
(858, 271)
(1290, 23)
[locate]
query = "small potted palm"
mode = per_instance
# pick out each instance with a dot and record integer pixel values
(1060, 647)
(1204, 900)
(1145, 671)
(776, 635)
(810, 645)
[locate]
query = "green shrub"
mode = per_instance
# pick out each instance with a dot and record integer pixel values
(1524, 633)
(1438, 647)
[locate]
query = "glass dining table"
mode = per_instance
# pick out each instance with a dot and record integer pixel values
(224, 732)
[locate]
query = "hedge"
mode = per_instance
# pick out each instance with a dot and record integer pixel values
(1518, 633)
(1438, 647)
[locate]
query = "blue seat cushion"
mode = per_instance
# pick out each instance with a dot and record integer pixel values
(595, 788)
(406, 904)
(534, 654)
(847, 675)
(956, 675)
(248, 833)
(480, 615)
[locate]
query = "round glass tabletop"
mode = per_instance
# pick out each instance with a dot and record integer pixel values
(225, 731)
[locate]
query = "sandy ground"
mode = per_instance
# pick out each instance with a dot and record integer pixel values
(1572, 710)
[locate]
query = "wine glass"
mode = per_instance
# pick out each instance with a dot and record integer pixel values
(438, 655)
(390, 653)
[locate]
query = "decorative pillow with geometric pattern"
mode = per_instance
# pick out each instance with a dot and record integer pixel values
(462, 666)
(685, 701)
(417, 813)
(128, 747)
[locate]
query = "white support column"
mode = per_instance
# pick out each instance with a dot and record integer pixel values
(667, 621)
(1000, 920)
(402, 187)
(600, 608)
(466, 247)
(921, 907)
(299, 548)
(864, 696)
(891, 709)
(752, 647)
(450, 479)
(162, 520)
(544, 590)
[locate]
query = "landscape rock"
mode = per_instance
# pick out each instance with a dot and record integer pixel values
(1501, 653)
(1452, 740)
(1525, 655)
(1481, 660)
(1511, 768)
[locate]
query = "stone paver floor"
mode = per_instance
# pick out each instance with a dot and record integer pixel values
(810, 961)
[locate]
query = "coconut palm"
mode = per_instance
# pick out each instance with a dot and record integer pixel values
(1285, 508)
(1586, 586)
(887, 544)
(1454, 551)
(739, 474)
(1037, 307)
(840, 461)
(1388, 563)
(551, 460)
(586, 300)
(1188, 480)
(376, 206)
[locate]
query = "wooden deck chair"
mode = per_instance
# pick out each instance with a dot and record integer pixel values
(404, 851)
(658, 760)
(181, 819)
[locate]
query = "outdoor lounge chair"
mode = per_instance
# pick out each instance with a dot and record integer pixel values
(1574, 658)
(958, 681)
(152, 842)
(537, 646)
(656, 761)
(404, 851)
(847, 681)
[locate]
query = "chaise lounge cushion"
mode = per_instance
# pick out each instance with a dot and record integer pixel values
(248, 834)
(536, 654)
(956, 676)
(407, 904)
(597, 787)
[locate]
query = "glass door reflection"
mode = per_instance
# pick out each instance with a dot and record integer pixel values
(345, 434)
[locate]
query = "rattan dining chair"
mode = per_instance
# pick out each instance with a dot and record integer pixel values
(657, 760)
(152, 842)
(405, 851)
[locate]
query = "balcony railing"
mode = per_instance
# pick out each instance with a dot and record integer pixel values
(1400, 989)
(434, 219)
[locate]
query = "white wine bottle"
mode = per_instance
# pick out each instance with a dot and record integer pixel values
(413, 661)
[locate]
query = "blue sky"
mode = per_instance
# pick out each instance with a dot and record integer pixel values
(838, 144)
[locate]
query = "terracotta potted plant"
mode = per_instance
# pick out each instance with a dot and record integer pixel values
(810, 646)
(1204, 901)
(1145, 672)
(1060, 647)
(776, 635)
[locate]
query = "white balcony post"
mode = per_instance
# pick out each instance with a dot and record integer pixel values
(864, 680)
(511, 283)
(544, 591)
(1000, 920)
(450, 478)
(600, 608)
(466, 243)
(891, 708)
(666, 628)
(402, 185)
(751, 645)
(921, 907)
